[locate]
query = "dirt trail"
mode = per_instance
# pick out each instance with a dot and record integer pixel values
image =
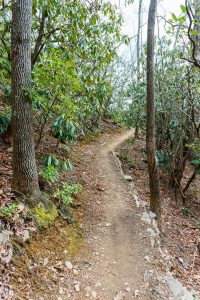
(118, 241)
(115, 261)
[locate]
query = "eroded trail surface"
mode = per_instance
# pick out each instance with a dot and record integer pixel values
(116, 258)
(119, 246)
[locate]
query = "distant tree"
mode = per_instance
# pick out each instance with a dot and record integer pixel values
(193, 14)
(150, 132)
(138, 57)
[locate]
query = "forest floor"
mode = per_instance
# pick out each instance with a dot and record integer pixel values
(111, 252)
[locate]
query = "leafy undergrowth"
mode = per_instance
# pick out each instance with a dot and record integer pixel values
(180, 223)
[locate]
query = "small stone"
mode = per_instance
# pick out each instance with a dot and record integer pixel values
(61, 291)
(147, 258)
(94, 294)
(5, 236)
(69, 265)
(127, 289)
(75, 272)
(98, 284)
(137, 293)
(128, 177)
(77, 287)
(25, 235)
(10, 150)
(180, 259)
(108, 224)
(152, 215)
(45, 261)
(119, 296)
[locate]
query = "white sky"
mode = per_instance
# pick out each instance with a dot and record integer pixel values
(130, 13)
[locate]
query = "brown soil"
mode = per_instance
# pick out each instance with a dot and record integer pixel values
(182, 233)
(107, 245)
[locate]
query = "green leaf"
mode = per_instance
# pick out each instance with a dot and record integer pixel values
(174, 17)
(194, 32)
(183, 8)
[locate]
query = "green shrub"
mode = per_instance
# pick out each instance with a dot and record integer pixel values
(8, 211)
(50, 174)
(65, 130)
(66, 192)
(57, 163)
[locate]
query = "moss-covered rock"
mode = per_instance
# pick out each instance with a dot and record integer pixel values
(44, 216)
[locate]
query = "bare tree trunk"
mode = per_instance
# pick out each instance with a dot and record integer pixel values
(138, 38)
(138, 59)
(150, 134)
(25, 177)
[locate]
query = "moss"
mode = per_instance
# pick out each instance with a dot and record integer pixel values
(75, 240)
(44, 217)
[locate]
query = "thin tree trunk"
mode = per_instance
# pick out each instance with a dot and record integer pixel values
(150, 132)
(191, 179)
(25, 177)
(138, 59)
(197, 28)
(138, 38)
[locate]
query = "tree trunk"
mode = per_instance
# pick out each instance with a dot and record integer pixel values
(138, 59)
(138, 39)
(25, 177)
(197, 28)
(150, 134)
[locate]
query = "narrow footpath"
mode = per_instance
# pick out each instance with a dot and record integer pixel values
(115, 260)
(118, 266)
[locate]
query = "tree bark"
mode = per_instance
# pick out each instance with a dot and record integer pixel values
(150, 131)
(197, 28)
(25, 177)
(138, 59)
(138, 39)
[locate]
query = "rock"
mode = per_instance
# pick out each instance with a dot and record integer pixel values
(10, 150)
(25, 235)
(5, 236)
(98, 284)
(75, 272)
(69, 265)
(127, 289)
(128, 177)
(94, 294)
(45, 261)
(147, 258)
(119, 296)
(77, 287)
(108, 224)
(137, 293)
(153, 236)
(137, 201)
(61, 291)
(152, 215)
(178, 290)
(145, 217)
(6, 253)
